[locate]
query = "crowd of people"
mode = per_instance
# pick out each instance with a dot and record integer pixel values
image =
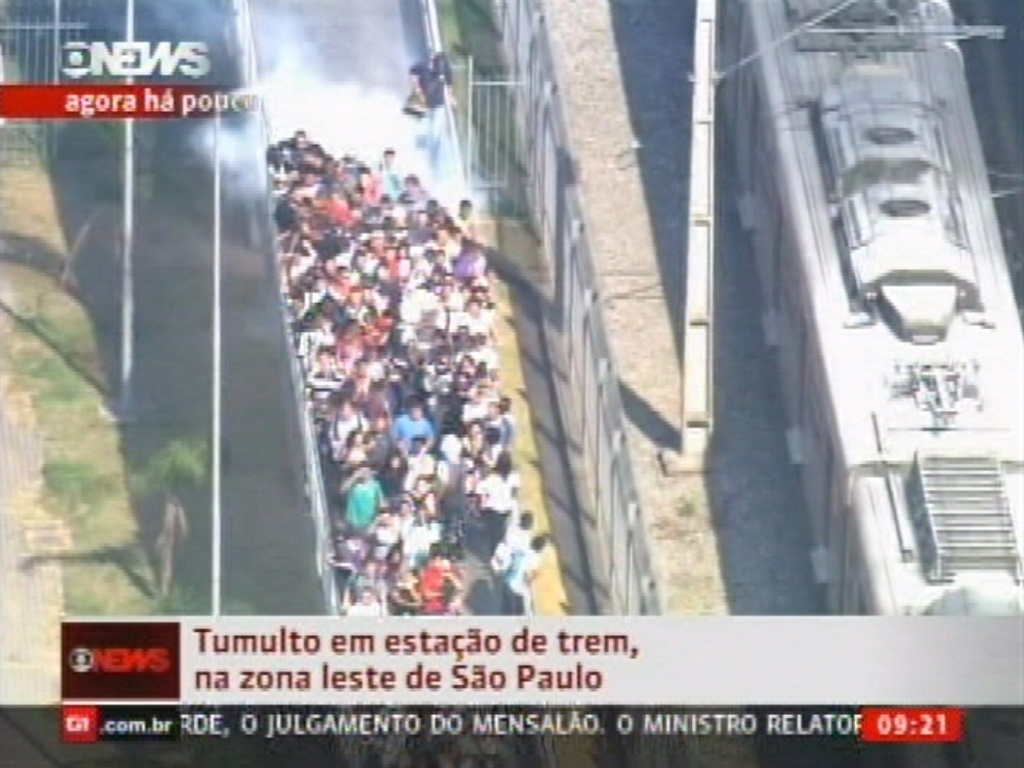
(390, 296)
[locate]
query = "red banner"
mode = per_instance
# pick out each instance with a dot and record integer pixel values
(119, 102)
(912, 724)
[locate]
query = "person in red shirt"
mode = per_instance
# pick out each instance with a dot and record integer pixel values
(339, 210)
(440, 585)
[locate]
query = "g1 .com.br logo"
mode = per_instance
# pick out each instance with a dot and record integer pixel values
(80, 725)
(121, 661)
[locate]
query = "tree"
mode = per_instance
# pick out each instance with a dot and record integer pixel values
(182, 465)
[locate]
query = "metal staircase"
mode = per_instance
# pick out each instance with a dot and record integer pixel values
(963, 515)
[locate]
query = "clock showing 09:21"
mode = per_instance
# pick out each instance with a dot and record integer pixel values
(912, 724)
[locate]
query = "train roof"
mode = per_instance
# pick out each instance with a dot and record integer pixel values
(904, 270)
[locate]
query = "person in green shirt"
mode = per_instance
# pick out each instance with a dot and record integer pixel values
(364, 500)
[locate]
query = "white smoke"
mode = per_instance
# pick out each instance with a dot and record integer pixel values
(345, 117)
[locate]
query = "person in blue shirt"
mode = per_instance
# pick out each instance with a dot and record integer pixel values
(431, 90)
(432, 80)
(412, 425)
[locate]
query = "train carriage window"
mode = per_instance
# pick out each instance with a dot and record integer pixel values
(849, 575)
(839, 163)
(755, 106)
(799, 331)
(816, 425)
(827, 482)
(955, 222)
(750, 111)
(854, 235)
(855, 602)
(860, 604)
(940, 144)
(775, 268)
(792, 309)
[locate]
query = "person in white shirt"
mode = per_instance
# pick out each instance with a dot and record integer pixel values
(476, 408)
(346, 422)
(369, 605)
(517, 539)
(323, 335)
(325, 374)
(499, 497)
(417, 539)
(520, 532)
(386, 534)
(484, 352)
(454, 301)
(478, 321)
(449, 468)
(518, 579)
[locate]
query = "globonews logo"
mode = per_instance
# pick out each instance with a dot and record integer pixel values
(119, 661)
(135, 59)
(126, 661)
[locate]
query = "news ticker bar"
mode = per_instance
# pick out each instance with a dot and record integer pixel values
(120, 102)
(85, 723)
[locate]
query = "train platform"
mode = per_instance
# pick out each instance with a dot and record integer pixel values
(343, 97)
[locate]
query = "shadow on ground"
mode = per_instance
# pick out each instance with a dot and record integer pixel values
(538, 322)
(759, 521)
(128, 558)
(268, 535)
(572, 525)
(654, 44)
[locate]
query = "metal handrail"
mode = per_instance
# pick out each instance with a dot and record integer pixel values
(433, 31)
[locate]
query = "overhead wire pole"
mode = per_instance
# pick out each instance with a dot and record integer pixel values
(696, 391)
(696, 396)
(215, 452)
(56, 41)
(126, 403)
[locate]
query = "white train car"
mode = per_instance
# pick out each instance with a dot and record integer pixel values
(887, 298)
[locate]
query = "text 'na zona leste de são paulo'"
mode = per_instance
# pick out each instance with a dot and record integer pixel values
(376, 676)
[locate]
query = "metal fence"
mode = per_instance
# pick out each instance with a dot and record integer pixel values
(594, 408)
(32, 34)
(489, 125)
(249, 63)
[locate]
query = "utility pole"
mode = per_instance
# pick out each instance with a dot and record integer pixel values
(696, 396)
(56, 41)
(125, 407)
(215, 453)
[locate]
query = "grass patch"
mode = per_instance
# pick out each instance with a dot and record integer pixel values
(48, 350)
(52, 359)
(468, 28)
